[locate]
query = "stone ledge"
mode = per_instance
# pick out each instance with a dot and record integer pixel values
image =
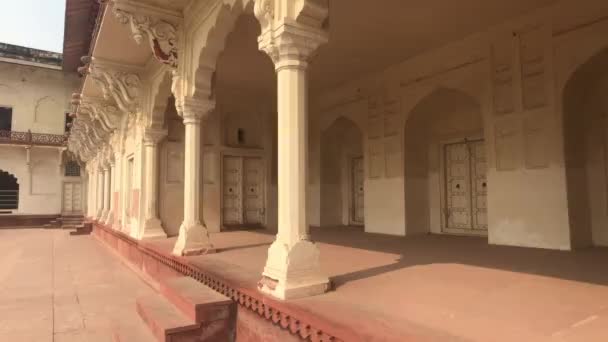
(160, 266)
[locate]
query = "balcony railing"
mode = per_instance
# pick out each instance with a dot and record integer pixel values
(29, 138)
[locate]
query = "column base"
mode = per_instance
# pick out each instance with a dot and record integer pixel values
(98, 216)
(109, 219)
(193, 239)
(153, 229)
(293, 272)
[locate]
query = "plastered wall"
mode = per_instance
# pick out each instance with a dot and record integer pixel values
(514, 72)
(39, 98)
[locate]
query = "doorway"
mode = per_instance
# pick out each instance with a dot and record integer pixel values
(465, 187)
(72, 198)
(243, 185)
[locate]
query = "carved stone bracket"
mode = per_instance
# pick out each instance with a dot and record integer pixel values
(121, 86)
(161, 35)
(106, 113)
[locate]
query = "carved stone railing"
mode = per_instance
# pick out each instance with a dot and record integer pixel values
(29, 138)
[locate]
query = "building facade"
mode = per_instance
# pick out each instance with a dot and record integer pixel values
(197, 117)
(39, 175)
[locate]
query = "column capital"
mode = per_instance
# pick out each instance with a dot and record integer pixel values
(193, 110)
(291, 44)
(291, 30)
(153, 136)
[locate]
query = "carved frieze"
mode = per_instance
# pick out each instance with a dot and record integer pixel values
(502, 75)
(383, 135)
(508, 144)
(533, 65)
(121, 86)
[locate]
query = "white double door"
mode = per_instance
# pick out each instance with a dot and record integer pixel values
(465, 186)
(72, 197)
(243, 191)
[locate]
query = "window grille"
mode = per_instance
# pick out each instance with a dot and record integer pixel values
(72, 169)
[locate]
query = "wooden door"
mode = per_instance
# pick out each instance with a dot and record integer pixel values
(67, 197)
(479, 185)
(357, 191)
(72, 197)
(232, 189)
(253, 191)
(458, 181)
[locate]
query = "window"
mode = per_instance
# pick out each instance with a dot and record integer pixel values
(72, 169)
(6, 118)
(9, 191)
(68, 121)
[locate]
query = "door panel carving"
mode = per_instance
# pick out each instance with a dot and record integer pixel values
(466, 186)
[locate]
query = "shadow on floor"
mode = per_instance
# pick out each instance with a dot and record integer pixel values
(585, 265)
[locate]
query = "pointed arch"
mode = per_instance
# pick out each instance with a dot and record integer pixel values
(585, 123)
(443, 117)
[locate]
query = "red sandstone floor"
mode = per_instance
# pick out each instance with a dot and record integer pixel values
(63, 288)
(439, 288)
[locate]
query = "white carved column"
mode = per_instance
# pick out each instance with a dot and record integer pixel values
(106, 193)
(109, 200)
(99, 192)
(292, 268)
(91, 192)
(152, 225)
(117, 172)
(193, 235)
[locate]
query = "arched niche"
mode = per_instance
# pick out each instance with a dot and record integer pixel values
(585, 122)
(342, 174)
(444, 158)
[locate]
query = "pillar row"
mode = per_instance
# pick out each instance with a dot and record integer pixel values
(99, 195)
(193, 235)
(152, 227)
(109, 218)
(105, 193)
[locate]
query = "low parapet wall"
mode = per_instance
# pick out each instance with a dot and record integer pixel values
(259, 317)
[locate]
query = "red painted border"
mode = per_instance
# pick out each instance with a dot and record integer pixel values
(158, 265)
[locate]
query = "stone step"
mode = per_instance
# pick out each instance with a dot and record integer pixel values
(134, 333)
(197, 301)
(163, 319)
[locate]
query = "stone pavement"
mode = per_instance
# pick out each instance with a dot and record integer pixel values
(63, 288)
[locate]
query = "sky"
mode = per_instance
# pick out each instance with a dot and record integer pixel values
(33, 23)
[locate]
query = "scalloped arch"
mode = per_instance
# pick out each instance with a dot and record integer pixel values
(215, 42)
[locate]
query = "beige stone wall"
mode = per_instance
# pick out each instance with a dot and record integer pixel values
(39, 98)
(515, 73)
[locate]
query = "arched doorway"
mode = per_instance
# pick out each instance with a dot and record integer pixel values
(342, 174)
(9, 192)
(171, 175)
(585, 120)
(245, 119)
(445, 165)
